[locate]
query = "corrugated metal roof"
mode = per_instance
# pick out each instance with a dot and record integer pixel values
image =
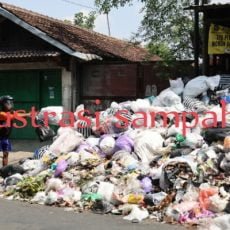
(27, 54)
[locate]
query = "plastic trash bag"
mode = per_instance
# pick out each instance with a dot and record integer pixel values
(147, 144)
(61, 167)
(167, 98)
(135, 198)
(124, 142)
(82, 127)
(105, 189)
(137, 214)
(54, 184)
(192, 194)
(86, 156)
(213, 82)
(173, 130)
(204, 196)
(79, 109)
(205, 83)
(155, 198)
(70, 195)
(52, 120)
(193, 141)
(215, 134)
(91, 197)
(30, 165)
(44, 133)
(63, 130)
(225, 163)
(101, 207)
(140, 105)
(184, 206)
(177, 86)
(107, 145)
(13, 180)
(66, 142)
(92, 141)
(217, 204)
(73, 159)
(39, 198)
(146, 184)
(51, 198)
(38, 153)
(194, 105)
(217, 223)
(178, 167)
(10, 170)
(125, 159)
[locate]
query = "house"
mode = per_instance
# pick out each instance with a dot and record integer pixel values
(45, 61)
(215, 36)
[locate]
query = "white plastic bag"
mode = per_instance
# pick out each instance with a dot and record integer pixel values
(125, 159)
(167, 98)
(66, 142)
(51, 198)
(147, 144)
(105, 189)
(199, 85)
(217, 204)
(218, 223)
(213, 82)
(195, 87)
(53, 120)
(107, 144)
(39, 198)
(193, 140)
(174, 130)
(177, 86)
(140, 105)
(137, 214)
(54, 184)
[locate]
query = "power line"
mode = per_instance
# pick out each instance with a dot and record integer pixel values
(79, 4)
(89, 7)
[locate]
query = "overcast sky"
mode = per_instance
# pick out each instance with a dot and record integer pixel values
(123, 21)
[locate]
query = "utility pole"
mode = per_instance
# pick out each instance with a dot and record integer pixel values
(196, 39)
(108, 24)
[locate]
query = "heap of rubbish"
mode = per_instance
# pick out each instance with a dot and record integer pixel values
(166, 158)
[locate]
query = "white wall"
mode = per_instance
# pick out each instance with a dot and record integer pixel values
(66, 89)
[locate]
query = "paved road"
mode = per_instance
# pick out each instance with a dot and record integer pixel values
(23, 216)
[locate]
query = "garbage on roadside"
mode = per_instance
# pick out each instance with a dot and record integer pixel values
(171, 168)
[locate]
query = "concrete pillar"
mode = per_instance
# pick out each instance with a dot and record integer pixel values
(66, 89)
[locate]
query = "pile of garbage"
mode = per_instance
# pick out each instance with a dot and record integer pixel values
(137, 167)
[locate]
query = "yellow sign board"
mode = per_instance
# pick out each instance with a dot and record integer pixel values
(219, 40)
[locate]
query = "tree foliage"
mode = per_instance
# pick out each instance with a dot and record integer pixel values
(165, 26)
(85, 21)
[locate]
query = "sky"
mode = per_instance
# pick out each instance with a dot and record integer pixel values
(123, 21)
(220, 1)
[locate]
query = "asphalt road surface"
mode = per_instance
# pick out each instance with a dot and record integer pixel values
(23, 216)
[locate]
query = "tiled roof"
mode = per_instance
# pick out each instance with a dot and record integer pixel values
(81, 40)
(27, 54)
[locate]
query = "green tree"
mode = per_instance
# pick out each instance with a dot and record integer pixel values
(85, 21)
(165, 27)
